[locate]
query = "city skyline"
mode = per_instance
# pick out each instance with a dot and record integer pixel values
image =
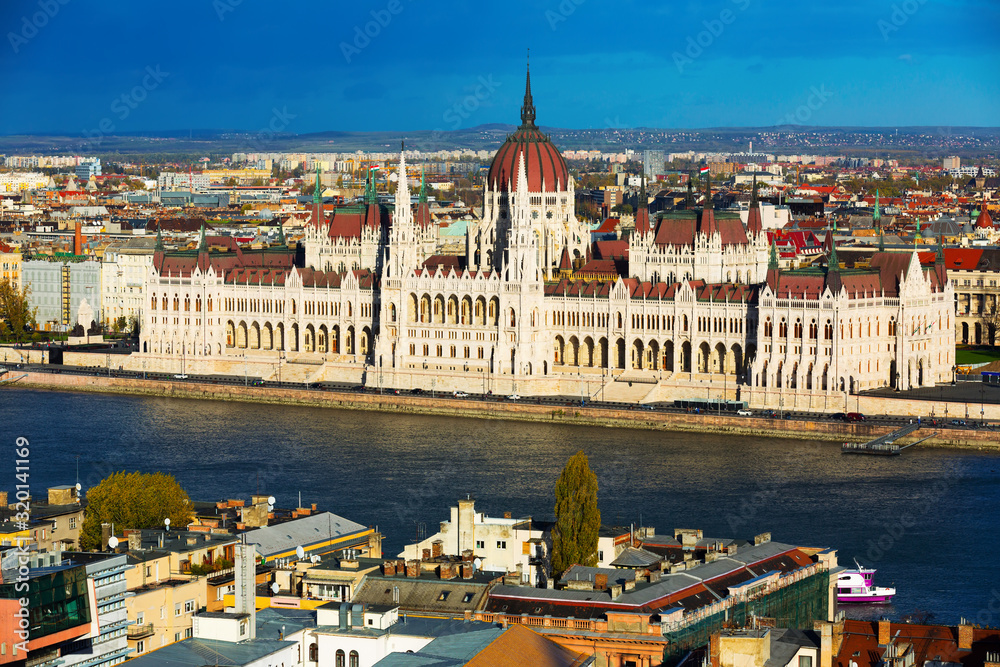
(228, 64)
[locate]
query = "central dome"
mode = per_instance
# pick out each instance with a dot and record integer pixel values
(543, 162)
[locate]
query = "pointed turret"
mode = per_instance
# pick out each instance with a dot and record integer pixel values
(202, 243)
(939, 256)
(773, 270)
(642, 225)
(423, 214)
(833, 280)
(754, 223)
(318, 218)
(876, 214)
(709, 227)
(881, 240)
(528, 106)
(281, 234)
(159, 238)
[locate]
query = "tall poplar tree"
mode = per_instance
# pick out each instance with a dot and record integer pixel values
(574, 537)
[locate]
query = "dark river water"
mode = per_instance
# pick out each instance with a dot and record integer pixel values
(929, 520)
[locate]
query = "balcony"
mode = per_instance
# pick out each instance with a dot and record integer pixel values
(140, 631)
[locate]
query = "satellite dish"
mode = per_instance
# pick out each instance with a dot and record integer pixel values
(314, 558)
(477, 564)
(271, 500)
(166, 522)
(113, 542)
(79, 487)
(300, 552)
(275, 588)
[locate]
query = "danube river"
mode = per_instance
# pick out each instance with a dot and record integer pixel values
(929, 520)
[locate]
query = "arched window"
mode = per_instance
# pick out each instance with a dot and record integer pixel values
(782, 328)
(314, 652)
(340, 661)
(768, 328)
(813, 329)
(828, 330)
(355, 662)
(798, 328)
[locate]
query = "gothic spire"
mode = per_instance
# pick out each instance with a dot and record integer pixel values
(939, 257)
(754, 223)
(281, 233)
(159, 238)
(423, 187)
(881, 240)
(528, 107)
(202, 244)
(318, 192)
(876, 214)
(772, 261)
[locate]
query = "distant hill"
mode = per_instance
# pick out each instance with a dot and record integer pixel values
(928, 143)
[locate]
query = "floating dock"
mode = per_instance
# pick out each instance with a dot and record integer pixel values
(884, 445)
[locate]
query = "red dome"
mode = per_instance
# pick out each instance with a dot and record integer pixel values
(542, 161)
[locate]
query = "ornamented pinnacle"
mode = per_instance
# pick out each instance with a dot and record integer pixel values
(423, 187)
(528, 107)
(159, 238)
(202, 244)
(318, 192)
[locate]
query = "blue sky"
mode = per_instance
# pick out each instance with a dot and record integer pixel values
(301, 66)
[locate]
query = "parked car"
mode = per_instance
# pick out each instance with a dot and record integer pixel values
(647, 406)
(417, 390)
(514, 397)
(854, 417)
(461, 394)
(744, 413)
(838, 416)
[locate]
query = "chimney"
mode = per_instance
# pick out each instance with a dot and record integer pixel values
(436, 548)
(467, 570)
(105, 533)
(468, 615)
(600, 581)
(314, 507)
(447, 571)
(884, 632)
(426, 554)
(964, 637)
(826, 644)
(77, 240)
(134, 540)
(413, 568)
(468, 555)
(506, 515)
(389, 568)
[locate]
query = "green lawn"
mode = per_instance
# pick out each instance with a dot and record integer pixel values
(976, 355)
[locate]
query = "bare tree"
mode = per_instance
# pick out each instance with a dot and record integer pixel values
(989, 317)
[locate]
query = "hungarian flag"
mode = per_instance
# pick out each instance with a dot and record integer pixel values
(703, 170)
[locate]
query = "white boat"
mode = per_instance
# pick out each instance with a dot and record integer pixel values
(856, 586)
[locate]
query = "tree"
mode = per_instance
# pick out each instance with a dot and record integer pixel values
(15, 308)
(623, 209)
(578, 520)
(989, 317)
(134, 500)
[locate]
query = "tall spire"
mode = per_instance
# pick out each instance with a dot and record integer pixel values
(403, 187)
(528, 107)
(881, 240)
(773, 271)
(939, 257)
(318, 192)
(423, 187)
(772, 261)
(281, 233)
(202, 243)
(159, 238)
(709, 227)
(642, 225)
(754, 223)
(876, 214)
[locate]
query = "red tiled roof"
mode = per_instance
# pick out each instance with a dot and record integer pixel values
(860, 645)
